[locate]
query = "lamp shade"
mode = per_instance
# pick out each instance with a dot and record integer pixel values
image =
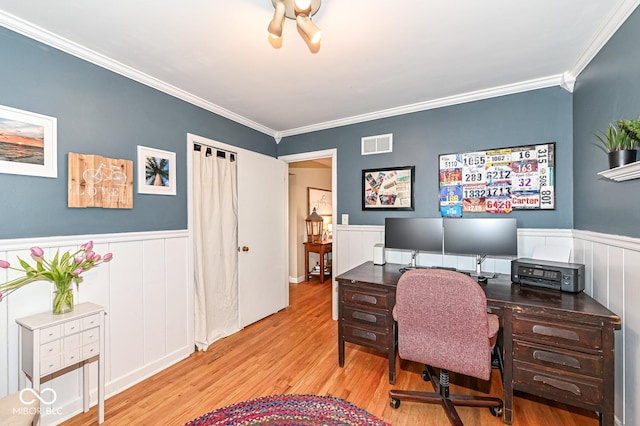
(309, 28)
(276, 24)
(314, 225)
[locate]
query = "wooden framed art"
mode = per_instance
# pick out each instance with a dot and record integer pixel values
(28, 144)
(388, 189)
(156, 171)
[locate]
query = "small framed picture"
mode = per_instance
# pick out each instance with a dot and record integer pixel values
(156, 171)
(28, 143)
(388, 189)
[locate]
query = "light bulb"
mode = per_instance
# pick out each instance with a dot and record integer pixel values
(303, 4)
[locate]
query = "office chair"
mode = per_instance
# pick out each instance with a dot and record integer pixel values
(443, 323)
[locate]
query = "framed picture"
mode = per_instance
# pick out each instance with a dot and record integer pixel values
(321, 200)
(156, 171)
(28, 143)
(498, 180)
(388, 189)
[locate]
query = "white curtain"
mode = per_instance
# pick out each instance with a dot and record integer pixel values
(215, 215)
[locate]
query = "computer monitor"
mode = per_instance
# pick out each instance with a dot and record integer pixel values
(422, 234)
(481, 237)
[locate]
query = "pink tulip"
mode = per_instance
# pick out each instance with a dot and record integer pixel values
(107, 257)
(97, 258)
(79, 259)
(90, 255)
(37, 252)
(87, 246)
(4, 264)
(77, 271)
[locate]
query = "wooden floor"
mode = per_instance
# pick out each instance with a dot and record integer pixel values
(295, 351)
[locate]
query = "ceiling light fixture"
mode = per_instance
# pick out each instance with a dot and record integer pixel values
(301, 11)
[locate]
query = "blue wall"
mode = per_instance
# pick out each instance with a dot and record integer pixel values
(527, 118)
(99, 112)
(608, 89)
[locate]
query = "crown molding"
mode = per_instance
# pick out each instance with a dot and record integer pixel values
(612, 24)
(565, 80)
(540, 83)
(32, 31)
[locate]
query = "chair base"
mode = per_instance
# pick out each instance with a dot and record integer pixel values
(448, 402)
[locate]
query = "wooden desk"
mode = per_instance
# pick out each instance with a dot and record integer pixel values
(556, 345)
(322, 248)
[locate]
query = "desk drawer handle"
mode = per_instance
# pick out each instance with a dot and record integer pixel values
(558, 384)
(364, 316)
(556, 332)
(556, 358)
(364, 298)
(364, 334)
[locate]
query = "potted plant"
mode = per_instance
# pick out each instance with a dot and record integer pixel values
(620, 142)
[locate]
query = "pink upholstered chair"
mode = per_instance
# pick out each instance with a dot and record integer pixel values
(443, 323)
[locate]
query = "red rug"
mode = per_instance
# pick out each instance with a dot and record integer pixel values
(289, 410)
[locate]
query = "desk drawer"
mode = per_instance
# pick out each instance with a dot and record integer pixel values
(570, 335)
(557, 385)
(367, 337)
(366, 318)
(576, 362)
(367, 298)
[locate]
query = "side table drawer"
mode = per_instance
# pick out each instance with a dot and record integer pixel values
(90, 350)
(50, 349)
(367, 337)
(557, 385)
(50, 333)
(50, 364)
(576, 362)
(367, 318)
(91, 321)
(71, 327)
(354, 296)
(90, 336)
(72, 356)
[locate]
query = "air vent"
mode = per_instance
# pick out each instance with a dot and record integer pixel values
(377, 144)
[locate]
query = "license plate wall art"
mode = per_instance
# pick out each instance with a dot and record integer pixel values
(498, 180)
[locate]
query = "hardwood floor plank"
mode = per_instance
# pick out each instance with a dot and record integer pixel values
(296, 351)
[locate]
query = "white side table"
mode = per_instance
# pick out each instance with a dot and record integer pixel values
(49, 343)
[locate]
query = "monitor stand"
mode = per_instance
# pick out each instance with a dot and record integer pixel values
(478, 274)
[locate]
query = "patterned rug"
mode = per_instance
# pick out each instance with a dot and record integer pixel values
(289, 410)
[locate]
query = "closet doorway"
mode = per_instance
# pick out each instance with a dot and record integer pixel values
(263, 287)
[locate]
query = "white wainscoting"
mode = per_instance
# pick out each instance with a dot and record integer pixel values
(612, 277)
(148, 295)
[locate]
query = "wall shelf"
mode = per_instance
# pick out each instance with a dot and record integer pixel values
(626, 172)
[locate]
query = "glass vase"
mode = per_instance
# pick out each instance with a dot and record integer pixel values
(62, 301)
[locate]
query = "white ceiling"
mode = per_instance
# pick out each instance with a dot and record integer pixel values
(377, 58)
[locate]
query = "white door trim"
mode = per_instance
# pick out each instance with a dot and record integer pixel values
(314, 155)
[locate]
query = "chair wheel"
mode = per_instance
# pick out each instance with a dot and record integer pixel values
(496, 411)
(394, 403)
(425, 376)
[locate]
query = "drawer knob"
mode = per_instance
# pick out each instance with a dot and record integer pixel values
(556, 332)
(558, 384)
(568, 361)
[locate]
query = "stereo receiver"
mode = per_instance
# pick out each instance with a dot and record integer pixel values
(562, 276)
